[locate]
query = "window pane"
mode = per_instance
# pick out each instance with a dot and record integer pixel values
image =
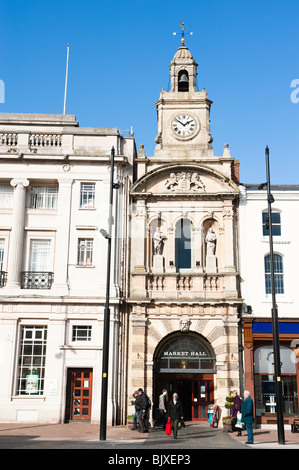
(40, 254)
(81, 333)
(87, 195)
(44, 197)
(1, 254)
(85, 251)
(278, 274)
(31, 363)
(276, 217)
(6, 196)
(183, 244)
(276, 224)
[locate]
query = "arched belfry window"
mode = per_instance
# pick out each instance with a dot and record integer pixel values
(183, 81)
(183, 243)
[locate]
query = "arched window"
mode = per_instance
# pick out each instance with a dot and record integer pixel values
(278, 274)
(183, 244)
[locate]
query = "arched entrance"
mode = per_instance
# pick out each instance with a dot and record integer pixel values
(184, 362)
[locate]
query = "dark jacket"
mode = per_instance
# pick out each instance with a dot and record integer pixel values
(175, 411)
(247, 411)
(142, 402)
(237, 406)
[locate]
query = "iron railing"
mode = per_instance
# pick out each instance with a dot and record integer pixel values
(36, 280)
(3, 278)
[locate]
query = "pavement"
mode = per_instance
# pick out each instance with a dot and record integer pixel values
(84, 435)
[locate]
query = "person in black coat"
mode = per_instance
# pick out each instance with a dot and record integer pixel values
(175, 413)
(143, 405)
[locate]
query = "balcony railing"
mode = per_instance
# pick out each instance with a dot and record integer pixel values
(8, 138)
(36, 280)
(3, 277)
(44, 140)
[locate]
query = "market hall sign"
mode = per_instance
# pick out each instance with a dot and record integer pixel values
(184, 354)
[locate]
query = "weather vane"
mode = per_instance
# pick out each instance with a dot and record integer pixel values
(183, 33)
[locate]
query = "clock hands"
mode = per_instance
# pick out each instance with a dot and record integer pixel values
(179, 121)
(188, 122)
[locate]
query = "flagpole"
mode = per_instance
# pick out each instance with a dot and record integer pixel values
(66, 76)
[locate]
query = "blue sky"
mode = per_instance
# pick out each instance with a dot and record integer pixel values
(119, 61)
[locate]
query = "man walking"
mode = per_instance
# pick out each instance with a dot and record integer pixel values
(163, 405)
(247, 416)
(143, 404)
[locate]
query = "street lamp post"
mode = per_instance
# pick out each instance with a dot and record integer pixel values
(275, 327)
(105, 358)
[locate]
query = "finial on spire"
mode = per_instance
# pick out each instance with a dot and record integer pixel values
(183, 33)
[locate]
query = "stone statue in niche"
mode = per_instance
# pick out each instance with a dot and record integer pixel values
(211, 240)
(158, 246)
(158, 240)
(184, 181)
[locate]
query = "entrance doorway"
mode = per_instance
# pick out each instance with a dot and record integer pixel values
(185, 363)
(79, 394)
(195, 391)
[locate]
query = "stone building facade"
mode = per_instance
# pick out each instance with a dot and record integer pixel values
(54, 200)
(184, 282)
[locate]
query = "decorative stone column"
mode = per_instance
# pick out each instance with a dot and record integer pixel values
(16, 244)
(228, 219)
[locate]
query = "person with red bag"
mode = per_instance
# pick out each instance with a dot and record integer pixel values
(175, 413)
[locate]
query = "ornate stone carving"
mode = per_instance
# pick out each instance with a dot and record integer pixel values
(185, 324)
(184, 181)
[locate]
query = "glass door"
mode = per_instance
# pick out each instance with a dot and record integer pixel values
(202, 397)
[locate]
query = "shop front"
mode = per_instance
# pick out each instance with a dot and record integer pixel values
(185, 364)
(259, 369)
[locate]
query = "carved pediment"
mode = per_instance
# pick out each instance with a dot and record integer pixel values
(184, 181)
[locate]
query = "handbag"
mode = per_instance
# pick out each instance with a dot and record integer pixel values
(182, 423)
(239, 420)
(168, 427)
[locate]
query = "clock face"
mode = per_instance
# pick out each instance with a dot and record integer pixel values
(183, 125)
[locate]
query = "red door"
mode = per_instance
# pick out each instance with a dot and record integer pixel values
(81, 388)
(202, 397)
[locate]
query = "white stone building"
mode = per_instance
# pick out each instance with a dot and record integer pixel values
(54, 195)
(257, 294)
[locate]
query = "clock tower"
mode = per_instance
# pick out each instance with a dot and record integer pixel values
(183, 291)
(183, 113)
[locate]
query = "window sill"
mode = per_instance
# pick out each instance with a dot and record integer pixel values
(87, 208)
(75, 345)
(85, 266)
(280, 298)
(20, 397)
